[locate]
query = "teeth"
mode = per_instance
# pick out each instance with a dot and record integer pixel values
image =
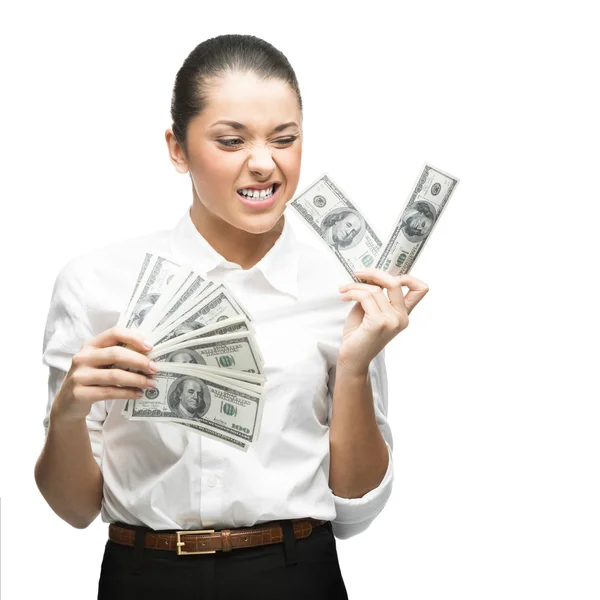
(256, 194)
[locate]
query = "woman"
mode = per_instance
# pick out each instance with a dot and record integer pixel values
(322, 466)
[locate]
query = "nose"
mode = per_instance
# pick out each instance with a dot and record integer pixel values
(261, 161)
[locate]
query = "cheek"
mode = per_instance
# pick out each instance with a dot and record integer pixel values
(289, 162)
(214, 164)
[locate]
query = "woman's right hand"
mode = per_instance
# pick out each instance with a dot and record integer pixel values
(90, 379)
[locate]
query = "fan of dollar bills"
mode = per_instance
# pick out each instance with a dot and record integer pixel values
(211, 376)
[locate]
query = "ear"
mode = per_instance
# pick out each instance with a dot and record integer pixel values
(176, 153)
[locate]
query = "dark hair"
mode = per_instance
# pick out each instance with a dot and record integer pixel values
(216, 57)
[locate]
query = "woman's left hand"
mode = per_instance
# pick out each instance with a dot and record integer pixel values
(375, 319)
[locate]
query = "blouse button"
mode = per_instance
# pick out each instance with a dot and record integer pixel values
(212, 481)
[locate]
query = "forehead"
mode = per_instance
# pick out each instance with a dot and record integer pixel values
(255, 102)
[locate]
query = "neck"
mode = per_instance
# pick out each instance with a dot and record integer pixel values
(235, 245)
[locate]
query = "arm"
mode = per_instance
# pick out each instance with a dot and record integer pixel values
(67, 473)
(361, 486)
(68, 470)
(359, 454)
(361, 435)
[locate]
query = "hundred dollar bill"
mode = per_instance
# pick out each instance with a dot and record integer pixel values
(247, 381)
(174, 297)
(239, 383)
(231, 351)
(158, 275)
(232, 325)
(416, 221)
(123, 316)
(242, 383)
(222, 411)
(339, 223)
(218, 305)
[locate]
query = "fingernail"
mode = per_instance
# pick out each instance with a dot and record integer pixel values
(151, 382)
(147, 345)
(153, 366)
(139, 393)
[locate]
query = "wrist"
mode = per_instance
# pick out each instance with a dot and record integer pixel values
(65, 415)
(353, 370)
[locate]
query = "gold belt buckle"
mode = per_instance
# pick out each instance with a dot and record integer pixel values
(180, 543)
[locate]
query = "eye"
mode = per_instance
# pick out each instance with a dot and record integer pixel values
(236, 142)
(287, 140)
(231, 142)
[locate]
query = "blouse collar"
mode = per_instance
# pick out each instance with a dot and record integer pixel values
(279, 265)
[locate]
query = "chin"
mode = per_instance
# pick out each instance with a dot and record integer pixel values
(259, 223)
(258, 226)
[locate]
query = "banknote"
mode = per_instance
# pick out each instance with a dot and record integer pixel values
(221, 409)
(218, 305)
(202, 334)
(231, 325)
(416, 221)
(179, 293)
(144, 269)
(158, 274)
(339, 223)
(221, 351)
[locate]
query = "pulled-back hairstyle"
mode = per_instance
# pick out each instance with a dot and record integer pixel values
(214, 58)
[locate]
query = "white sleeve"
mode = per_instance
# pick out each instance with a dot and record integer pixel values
(67, 327)
(354, 515)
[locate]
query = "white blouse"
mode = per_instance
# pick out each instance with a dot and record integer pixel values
(168, 477)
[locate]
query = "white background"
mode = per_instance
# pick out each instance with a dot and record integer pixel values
(493, 401)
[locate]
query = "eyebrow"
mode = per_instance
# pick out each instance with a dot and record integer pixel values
(237, 125)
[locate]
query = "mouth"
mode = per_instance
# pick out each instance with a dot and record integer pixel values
(255, 195)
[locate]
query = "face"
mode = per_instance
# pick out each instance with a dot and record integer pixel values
(346, 228)
(183, 357)
(223, 158)
(186, 328)
(191, 395)
(420, 224)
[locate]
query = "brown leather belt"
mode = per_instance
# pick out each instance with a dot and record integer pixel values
(208, 541)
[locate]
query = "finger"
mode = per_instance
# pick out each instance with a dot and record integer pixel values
(102, 357)
(95, 394)
(359, 286)
(416, 293)
(116, 335)
(377, 293)
(394, 284)
(381, 278)
(111, 378)
(365, 298)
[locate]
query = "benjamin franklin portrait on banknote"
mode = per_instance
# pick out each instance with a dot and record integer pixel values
(143, 306)
(343, 228)
(189, 398)
(186, 356)
(418, 220)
